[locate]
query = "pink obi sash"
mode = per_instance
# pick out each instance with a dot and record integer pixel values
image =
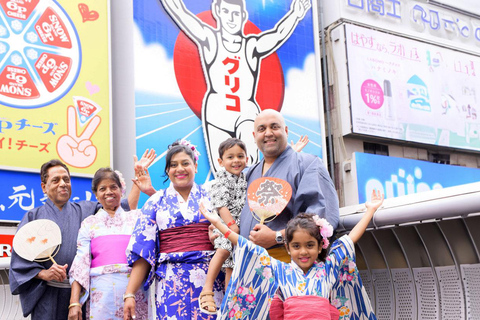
(109, 249)
(303, 308)
(192, 237)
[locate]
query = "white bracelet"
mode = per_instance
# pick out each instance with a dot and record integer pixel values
(128, 295)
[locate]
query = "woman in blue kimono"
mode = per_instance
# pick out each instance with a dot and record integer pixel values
(170, 243)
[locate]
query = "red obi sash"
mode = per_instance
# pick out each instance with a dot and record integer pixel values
(109, 249)
(192, 237)
(303, 308)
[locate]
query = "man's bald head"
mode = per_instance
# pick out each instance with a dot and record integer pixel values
(270, 133)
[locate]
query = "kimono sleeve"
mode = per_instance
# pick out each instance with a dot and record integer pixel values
(22, 275)
(80, 269)
(341, 250)
(144, 242)
(253, 283)
(316, 193)
(219, 194)
(348, 294)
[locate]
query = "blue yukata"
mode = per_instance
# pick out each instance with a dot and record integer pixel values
(172, 236)
(257, 277)
(312, 190)
(41, 299)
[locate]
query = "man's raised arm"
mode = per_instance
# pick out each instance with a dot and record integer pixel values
(195, 28)
(272, 39)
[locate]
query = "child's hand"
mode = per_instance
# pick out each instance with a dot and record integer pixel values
(301, 143)
(210, 216)
(376, 201)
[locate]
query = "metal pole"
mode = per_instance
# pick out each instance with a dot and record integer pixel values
(327, 97)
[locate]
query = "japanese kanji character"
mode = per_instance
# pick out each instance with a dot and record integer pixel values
(19, 197)
(268, 191)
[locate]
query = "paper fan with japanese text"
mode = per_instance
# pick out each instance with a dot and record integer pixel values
(267, 197)
(38, 240)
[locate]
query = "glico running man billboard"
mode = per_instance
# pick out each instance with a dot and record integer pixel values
(205, 69)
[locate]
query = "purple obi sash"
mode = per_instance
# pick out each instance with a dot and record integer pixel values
(109, 249)
(192, 237)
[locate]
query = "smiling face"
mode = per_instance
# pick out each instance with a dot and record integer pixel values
(109, 194)
(271, 134)
(231, 17)
(234, 160)
(304, 249)
(181, 172)
(57, 186)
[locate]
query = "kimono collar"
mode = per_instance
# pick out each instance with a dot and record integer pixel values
(50, 203)
(118, 212)
(115, 221)
(170, 191)
(224, 174)
(288, 150)
(299, 270)
(286, 153)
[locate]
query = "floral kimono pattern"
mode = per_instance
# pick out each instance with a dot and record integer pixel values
(257, 277)
(230, 191)
(105, 283)
(179, 276)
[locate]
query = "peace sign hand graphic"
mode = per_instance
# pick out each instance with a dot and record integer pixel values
(78, 150)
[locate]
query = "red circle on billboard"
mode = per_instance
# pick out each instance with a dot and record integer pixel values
(191, 80)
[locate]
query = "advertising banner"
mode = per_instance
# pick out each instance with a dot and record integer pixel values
(54, 84)
(396, 177)
(205, 69)
(6, 241)
(21, 192)
(413, 91)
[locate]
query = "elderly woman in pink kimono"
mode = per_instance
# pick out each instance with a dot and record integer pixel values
(100, 270)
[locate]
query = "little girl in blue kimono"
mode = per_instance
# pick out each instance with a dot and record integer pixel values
(305, 285)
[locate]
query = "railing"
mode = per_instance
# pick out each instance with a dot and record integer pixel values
(10, 308)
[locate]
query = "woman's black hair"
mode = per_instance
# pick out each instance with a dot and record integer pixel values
(102, 174)
(175, 148)
(305, 221)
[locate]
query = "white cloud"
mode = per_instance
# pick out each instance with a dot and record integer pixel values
(153, 69)
(301, 91)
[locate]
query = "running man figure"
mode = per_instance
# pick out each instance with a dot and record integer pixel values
(231, 65)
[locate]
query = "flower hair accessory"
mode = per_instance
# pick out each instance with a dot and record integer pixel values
(191, 146)
(326, 230)
(122, 182)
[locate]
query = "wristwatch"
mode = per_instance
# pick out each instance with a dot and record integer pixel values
(279, 237)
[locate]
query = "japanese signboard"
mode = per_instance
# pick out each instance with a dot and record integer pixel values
(396, 177)
(54, 84)
(21, 192)
(201, 77)
(6, 241)
(413, 91)
(451, 23)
